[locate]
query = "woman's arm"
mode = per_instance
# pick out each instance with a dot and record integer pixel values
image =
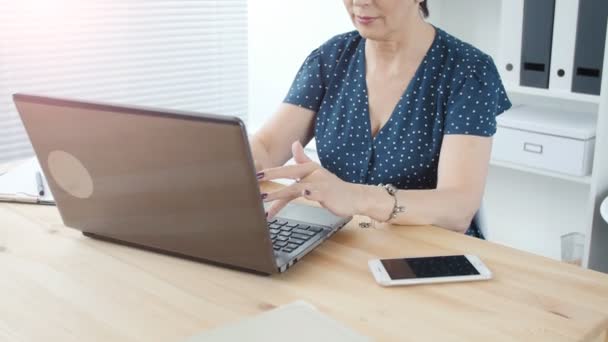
(271, 145)
(463, 168)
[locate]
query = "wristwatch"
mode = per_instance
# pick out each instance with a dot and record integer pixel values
(392, 190)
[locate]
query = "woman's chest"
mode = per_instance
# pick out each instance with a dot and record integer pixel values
(384, 93)
(404, 150)
(353, 114)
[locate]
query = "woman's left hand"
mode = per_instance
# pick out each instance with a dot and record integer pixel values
(313, 182)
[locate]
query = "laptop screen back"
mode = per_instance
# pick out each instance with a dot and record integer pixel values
(170, 181)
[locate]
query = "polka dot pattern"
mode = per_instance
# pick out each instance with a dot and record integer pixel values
(455, 90)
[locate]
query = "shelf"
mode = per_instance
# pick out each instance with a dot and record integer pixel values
(576, 179)
(554, 94)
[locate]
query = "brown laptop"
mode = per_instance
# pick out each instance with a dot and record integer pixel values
(181, 183)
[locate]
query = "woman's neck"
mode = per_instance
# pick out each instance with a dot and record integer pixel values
(401, 50)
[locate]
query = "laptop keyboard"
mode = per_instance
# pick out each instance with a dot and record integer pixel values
(288, 236)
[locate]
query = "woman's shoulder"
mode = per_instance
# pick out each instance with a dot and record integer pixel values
(337, 46)
(341, 41)
(464, 58)
(471, 72)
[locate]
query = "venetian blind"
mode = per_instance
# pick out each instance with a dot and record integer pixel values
(181, 54)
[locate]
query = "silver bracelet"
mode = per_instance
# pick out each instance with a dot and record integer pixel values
(392, 190)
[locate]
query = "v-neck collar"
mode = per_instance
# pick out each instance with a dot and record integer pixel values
(408, 89)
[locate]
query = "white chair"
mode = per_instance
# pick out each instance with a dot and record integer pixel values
(604, 209)
(481, 221)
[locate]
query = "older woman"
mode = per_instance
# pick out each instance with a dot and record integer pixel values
(403, 114)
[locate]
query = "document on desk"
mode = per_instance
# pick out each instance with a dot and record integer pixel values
(296, 322)
(25, 183)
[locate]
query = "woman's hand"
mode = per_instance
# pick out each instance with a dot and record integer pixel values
(312, 182)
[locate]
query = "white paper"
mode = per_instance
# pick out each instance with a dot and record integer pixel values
(19, 183)
(296, 322)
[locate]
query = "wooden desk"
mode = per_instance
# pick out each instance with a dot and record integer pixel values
(57, 285)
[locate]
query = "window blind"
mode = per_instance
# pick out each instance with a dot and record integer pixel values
(178, 54)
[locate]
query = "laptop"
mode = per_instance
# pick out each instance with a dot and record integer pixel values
(176, 182)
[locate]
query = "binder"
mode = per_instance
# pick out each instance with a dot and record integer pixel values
(536, 43)
(564, 41)
(512, 15)
(25, 183)
(590, 45)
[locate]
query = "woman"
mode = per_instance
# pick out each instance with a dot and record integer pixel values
(396, 102)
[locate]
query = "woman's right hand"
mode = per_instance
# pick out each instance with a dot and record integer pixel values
(270, 144)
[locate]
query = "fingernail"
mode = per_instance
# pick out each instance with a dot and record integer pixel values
(264, 195)
(259, 175)
(307, 192)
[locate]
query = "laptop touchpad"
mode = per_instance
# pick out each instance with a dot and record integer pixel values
(308, 214)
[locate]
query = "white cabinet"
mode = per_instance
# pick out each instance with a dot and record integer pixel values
(547, 139)
(530, 202)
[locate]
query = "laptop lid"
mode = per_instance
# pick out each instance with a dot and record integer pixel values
(172, 181)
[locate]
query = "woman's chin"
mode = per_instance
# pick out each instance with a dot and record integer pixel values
(374, 31)
(371, 35)
(368, 32)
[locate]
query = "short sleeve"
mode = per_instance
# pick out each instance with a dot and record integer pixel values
(474, 105)
(307, 90)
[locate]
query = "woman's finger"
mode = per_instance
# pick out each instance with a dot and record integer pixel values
(291, 191)
(277, 206)
(310, 193)
(257, 165)
(289, 171)
(297, 150)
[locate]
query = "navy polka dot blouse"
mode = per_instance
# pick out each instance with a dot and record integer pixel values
(456, 90)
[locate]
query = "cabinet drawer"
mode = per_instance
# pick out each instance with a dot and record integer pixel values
(555, 153)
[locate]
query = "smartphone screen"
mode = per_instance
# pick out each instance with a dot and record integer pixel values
(429, 267)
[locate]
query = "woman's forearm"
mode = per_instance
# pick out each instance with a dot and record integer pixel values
(261, 155)
(448, 208)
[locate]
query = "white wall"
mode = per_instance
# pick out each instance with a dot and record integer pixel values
(449, 16)
(281, 35)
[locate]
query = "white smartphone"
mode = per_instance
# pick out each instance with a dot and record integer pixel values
(424, 270)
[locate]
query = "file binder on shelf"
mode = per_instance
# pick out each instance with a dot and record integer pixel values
(564, 41)
(590, 45)
(512, 15)
(536, 43)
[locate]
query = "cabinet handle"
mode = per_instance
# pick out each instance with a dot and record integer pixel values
(534, 148)
(588, 72)
(535, 66)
